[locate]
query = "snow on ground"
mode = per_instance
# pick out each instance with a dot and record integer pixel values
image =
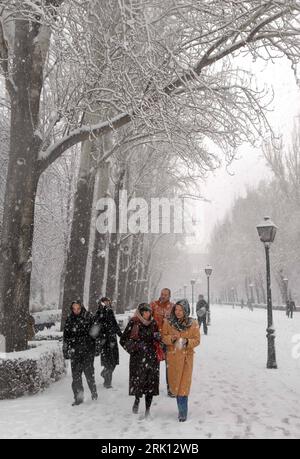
(233, 395)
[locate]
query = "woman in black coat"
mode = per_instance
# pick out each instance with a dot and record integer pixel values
(107, 343)
(79, 347)
(141, 340)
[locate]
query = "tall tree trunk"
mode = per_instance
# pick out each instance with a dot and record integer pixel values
(123, 279)
(247, 282)
(16, 244)
(140, 290)
(21, 188)
(100, 245)
(147, 276)
(62, 281)
(133, 274)
(114, 244)
(69, 212)
(80, 232)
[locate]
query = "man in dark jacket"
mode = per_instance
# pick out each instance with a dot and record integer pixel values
(79, 347)
(107, 330)
(202, 309)
(291, 307)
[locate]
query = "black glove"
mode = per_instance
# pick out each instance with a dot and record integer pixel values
(68, 352)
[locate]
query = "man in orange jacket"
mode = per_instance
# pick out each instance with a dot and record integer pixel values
(161, 310)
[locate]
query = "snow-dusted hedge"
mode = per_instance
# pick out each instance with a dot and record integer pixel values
(31, 371)
(46, 319)
(49, 335)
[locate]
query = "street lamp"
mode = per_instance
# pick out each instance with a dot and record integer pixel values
(267, 232)
(208, 272)
(185, 291)
(193, 282)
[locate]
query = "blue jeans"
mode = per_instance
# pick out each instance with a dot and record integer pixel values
(182, 403)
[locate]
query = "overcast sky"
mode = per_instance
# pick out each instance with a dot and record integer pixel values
(221, 187)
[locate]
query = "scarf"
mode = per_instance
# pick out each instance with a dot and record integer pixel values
(138, 319)
(180, 325)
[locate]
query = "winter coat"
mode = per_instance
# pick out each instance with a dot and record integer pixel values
(139, 340)
(201, 308)
(107, 343)
(292, 306)
(160, 312)
(77, 340)
(180, 361)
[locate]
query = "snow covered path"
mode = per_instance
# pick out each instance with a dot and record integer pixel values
(233, 395)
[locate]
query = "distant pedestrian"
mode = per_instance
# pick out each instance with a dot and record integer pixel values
(202, 310)
(250, 305)
(79, 347)
(141, 340)
(106, 330)
(291, 306)
(181, 335)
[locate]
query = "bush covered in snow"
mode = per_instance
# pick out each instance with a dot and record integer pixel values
(46, 319)
(30, 371)
(49, 335)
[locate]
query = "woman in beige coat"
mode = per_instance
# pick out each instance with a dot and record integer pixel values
(181, 335)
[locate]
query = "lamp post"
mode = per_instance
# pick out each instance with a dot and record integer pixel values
(208, 272)
(267, 232)
(185, 290)
(193, 282)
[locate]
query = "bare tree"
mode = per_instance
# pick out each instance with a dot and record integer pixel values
(284, 161)
(53, 218)
(164, 69)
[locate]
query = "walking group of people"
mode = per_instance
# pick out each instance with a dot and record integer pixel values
(160, 331)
